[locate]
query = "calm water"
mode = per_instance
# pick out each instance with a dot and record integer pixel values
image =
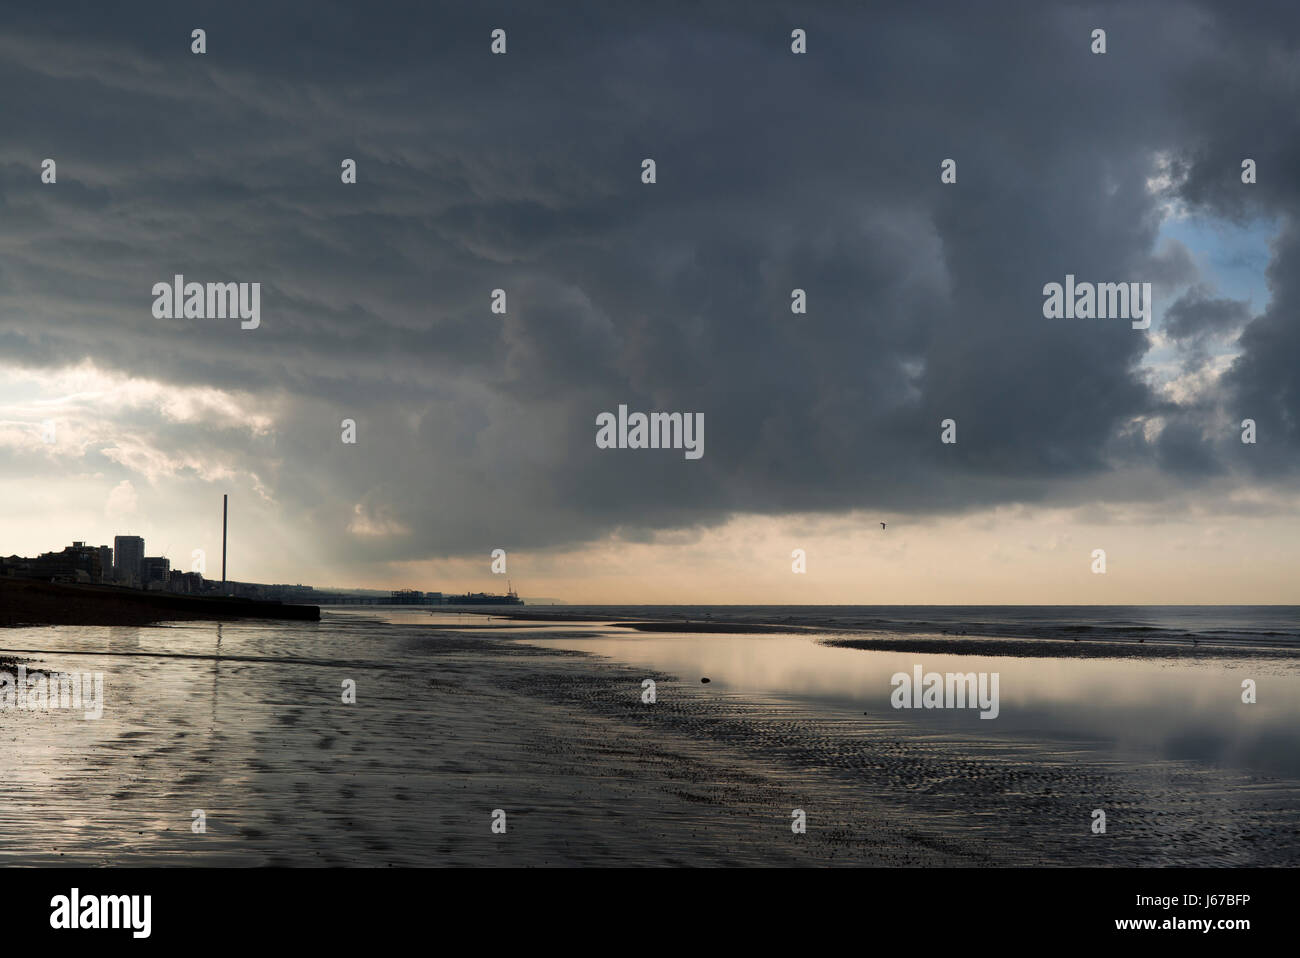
(1256, 625)
(1132, 709)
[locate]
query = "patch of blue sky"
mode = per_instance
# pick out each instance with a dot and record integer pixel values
(1232, 260)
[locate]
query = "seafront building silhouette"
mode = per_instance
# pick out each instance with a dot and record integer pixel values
(126, 566)
(128, 554)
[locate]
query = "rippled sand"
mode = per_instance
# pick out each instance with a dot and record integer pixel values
(245, 722)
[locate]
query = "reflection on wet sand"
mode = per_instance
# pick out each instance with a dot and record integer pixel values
(245, 721)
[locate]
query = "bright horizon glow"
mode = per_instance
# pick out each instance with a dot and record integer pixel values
(110, 474)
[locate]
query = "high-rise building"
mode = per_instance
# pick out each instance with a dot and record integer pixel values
(105, 563)
(128, 553)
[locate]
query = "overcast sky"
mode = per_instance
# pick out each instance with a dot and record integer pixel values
(775, 171)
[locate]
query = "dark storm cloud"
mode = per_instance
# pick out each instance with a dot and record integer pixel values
(775, 171)
(1242, 89)
(1198, 313)
(1263, 383)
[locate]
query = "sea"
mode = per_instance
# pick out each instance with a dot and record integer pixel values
(1262, 626)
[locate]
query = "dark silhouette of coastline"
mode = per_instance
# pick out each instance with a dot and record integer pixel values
(31, 602)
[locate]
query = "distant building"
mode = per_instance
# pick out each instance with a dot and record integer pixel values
(106, 563)
(289, 593)
(76, 563)
(128, 554)
(18, 566)
(155, 571)
(190, 583)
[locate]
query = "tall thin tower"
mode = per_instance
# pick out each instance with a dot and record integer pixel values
(225, 509)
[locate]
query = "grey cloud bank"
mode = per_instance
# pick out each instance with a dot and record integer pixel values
(775, 171)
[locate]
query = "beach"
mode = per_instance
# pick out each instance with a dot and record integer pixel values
(545, 722)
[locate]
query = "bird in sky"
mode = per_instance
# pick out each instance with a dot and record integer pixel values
(882, 525)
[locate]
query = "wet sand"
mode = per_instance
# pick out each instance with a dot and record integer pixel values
(245, 722)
